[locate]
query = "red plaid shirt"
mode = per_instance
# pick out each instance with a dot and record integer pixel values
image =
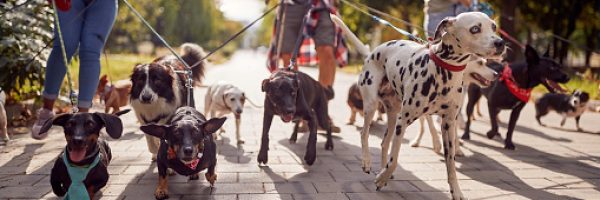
(307, 55)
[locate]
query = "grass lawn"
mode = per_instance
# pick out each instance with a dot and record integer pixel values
(119, 66)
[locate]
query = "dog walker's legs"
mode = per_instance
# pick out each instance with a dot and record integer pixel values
(294, 136)
(448, 136)
(390, 167)
(263, 154)
(417, 140)
(514, 116)
(238, 136)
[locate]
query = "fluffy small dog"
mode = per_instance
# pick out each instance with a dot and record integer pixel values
(223, 98)
(566, 105)
(114, 95)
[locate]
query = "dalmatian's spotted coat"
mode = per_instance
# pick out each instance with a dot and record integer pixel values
(423, 87)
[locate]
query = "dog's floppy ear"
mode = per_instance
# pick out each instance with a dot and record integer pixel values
(157, 130)
(265, 85)
(531, 55)
(212, 125)
(112, 123)
(58, 120)
(442, 28)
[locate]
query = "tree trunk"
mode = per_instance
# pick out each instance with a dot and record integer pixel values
(508, 25)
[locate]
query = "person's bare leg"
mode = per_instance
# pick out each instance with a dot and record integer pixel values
(326, 65)
(286, 60)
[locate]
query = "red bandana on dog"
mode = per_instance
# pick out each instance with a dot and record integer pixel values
(521, 93)
(171, 155)
(439, 62)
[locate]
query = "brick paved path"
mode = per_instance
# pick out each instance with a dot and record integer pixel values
(549, 163)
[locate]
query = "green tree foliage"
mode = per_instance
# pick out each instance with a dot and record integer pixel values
(24, 31)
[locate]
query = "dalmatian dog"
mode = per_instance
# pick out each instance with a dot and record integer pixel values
(425, 79)
(477, 72)
(223, 98)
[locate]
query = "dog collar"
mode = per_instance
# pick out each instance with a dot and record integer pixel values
(522, 94)
(443, 64)
(77, 174)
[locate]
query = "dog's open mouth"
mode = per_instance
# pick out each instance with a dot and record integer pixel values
(482, 81)
(554, 86)
(77, 154)
(287, 117)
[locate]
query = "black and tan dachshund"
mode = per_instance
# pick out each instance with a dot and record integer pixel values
(81, 169)
(186, 146)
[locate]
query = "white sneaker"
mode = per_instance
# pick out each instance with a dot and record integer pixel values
(43, 115)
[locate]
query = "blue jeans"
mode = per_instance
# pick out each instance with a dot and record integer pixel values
(86, 31)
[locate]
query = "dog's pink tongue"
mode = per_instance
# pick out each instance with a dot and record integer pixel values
(77, 155)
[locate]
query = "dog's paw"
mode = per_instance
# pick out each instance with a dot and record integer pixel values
(211, 178)
(414, 143)
(459, 153)
(509, 146)
(292, 141)
(381, 180)
(329, 145)
(580, 129)
(492, 134)
(458, 196)
(366, 165)
(310, 158)
(241, 141)
(161, 193)
(466, 136)
(437, 148)
(350, 123)
(262, 158)
(194, 177)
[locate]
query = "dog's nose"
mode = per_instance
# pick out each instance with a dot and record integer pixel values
(146, 97)
(238, 111)
(78, 140)
(499, 43)
(188, 150)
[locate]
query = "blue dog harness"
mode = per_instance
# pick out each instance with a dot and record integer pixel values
(77, 189)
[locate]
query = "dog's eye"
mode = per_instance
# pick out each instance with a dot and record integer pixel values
(89, 124)
(475, 29)
(232, 99)
(494, 27)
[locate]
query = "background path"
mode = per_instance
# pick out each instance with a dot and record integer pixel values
(549, 163)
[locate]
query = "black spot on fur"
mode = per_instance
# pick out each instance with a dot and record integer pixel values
(427, 86)
(415, 89)
(425, 109)
(378, 55)
(444, 106)
(406, 114)
(463, 58)
(413, 54)
(402, 91)
(372, 56)
(391, 43)
(446, 126)
(398, 63)
(460, 90)
(369, 82)
(418, 104)
(444, 76)
(410, 68)
(398, 128)
(418, 61)
(424, 73)
(425, 60)
(432, 96)
(445, 91)
(410, 101)
(416, 74)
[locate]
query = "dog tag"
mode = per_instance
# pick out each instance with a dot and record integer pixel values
(199, 155)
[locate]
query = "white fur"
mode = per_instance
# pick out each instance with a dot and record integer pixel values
(218, 102)
(389, 59)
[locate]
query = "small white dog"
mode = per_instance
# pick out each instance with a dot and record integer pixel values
(223, 98)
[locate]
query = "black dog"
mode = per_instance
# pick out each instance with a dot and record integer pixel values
(294, 95)
(525, 76)
(186, 146)
(566, 105)
(83, 153)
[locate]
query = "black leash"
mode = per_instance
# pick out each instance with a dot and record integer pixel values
(235, 35)
(299, 41)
